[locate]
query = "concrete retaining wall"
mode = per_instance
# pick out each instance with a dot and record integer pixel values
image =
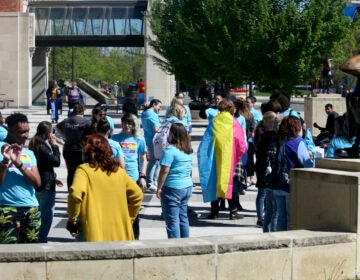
(314, 109)
(283, 255)
(326, 198)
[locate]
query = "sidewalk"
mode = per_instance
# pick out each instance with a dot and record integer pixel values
(152, 226)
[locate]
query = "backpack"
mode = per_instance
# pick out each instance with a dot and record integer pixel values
(266, 163)
(282, 172)
(160, 141)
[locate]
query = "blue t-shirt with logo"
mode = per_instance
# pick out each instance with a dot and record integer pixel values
(16, 190)
(132, 148)
(149, 120)
(180, 167)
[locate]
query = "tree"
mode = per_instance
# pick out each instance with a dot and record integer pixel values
(277, 43)
(94, 64)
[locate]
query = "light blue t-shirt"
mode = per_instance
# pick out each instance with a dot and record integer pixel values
(3, 133)
(256, 114)
(149, 120)
(291, 112)
(188, 119)
(111, 123)
(116, 149)
(173, 119)
(180, 168)
(16, 190)
(211, 113)
(133, 148)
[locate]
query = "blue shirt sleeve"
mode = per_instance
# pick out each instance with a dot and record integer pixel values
(303, 155)
(167, 157)
(111, 123)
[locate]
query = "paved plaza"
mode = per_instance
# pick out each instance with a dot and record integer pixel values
(152, 226)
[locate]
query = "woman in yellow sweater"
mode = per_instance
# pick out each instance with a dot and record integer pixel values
(103, 195)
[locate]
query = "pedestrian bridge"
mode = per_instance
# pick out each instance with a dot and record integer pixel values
(109, 23)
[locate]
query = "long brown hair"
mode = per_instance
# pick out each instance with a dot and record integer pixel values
(43, 130)
(242, 109)
(179, 138)
(98, 154)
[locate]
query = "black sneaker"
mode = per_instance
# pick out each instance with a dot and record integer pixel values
(260, 223)
(211, 217)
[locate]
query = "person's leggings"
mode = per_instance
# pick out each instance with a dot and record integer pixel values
(72, 159)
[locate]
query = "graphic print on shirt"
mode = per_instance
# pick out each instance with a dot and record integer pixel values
(25, 159)
(128, 147)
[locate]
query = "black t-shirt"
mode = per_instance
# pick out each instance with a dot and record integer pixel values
(330, 122)
(75, 129)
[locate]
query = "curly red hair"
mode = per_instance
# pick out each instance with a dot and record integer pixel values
(290, 127)
(98, 153)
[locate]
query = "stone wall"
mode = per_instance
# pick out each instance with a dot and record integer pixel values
(314, 109)
(326, 198)
(158, 84)
(16, 46)
(282, 255)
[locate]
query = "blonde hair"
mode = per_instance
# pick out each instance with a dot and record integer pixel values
(269, 117)
(178, 111)
(174, 102)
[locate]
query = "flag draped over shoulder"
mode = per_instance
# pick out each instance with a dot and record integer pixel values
(221, 148)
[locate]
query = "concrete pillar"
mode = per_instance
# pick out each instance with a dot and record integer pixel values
(17, 45)
(158, 84)
(314, 109)
(40, 73)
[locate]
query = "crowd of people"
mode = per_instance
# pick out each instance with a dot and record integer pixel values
(261, 153)
(108, 172)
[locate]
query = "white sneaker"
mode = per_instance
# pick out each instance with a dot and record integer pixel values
(152, 189)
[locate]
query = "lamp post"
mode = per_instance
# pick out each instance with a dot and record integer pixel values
(72, 64)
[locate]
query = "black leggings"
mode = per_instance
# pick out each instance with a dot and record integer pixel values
(72, 159)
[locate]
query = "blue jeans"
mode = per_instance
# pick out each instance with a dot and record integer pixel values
(54, 110)
(282, 214)
(270, 208)
(174, 207)
(153, 167)
(47, 208)
(260, 198)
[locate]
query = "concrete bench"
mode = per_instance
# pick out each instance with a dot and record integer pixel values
(6, 102)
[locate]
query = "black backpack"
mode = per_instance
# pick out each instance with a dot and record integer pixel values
(266, 159)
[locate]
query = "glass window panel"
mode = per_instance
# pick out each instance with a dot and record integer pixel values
(67, 22)
(79, 20)
(57, 17)
(42, 15)
(119, 12)
(88, 20)
(95, 21)
(136, 13)
(136, 27)
(120, 26)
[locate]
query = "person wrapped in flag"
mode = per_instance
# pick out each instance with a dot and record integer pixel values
(221, 148)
